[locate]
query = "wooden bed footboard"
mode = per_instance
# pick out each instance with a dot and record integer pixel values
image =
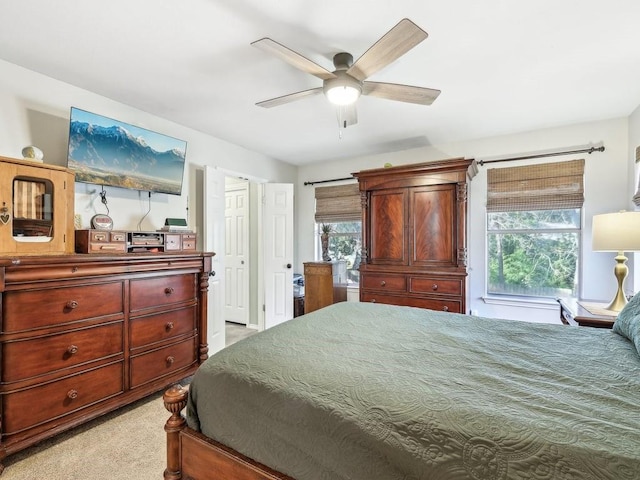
(193, 456)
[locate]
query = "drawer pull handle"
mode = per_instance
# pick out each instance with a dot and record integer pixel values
(72, 349)
(373, 300)
(445, 308)
(434, 286)
(383, 283)
(169, 326)
(72, 394)
(170, 360)
(71, 304)
(168, 290)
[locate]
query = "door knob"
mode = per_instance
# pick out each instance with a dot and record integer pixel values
(212, 273)
(288, 265)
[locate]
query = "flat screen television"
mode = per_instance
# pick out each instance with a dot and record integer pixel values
(104, 151)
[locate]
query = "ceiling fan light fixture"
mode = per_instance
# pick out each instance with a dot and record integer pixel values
(343, 89)
(343, 94)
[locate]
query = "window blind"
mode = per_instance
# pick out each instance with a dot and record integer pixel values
(546, 186)
(339, 203)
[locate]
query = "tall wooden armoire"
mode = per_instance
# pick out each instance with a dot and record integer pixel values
(414, 247)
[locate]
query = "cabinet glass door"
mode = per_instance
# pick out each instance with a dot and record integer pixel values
(32, 209)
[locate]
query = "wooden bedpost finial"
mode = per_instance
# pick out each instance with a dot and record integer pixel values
(175, 399)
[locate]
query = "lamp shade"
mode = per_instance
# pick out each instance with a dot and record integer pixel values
(616, 232)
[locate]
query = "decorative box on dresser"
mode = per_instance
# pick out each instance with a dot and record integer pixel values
(81, 335)
(414, 247)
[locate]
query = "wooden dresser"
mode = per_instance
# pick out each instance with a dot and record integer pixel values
(414, 249)
(322, 285)
(81, 335)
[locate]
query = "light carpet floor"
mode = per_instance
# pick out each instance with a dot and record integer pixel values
(126, 444)
(129, 443)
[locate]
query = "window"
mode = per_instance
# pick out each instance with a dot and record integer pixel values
(345, 244)
(339, 208)
(534, 228)
(534, 253)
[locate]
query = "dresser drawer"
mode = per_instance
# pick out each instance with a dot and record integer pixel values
(157, 363)
(156, 328)
(29, 407)
(443, 305)
(36, 356)
(445, 286)
(172, 242)
(30, 309)
(394, 283)
(189, 242)
(158, 291)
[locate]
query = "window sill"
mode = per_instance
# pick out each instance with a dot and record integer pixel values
(515, 301)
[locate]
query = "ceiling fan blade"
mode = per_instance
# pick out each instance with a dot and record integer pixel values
(293, 58)
(395, 43)
(292, 97)
(347, 115)
(400, 93)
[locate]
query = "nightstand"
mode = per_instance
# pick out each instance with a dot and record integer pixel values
(573, 313)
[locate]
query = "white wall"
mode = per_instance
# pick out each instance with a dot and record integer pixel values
(34, 110)
(633, 174)
(606, 190)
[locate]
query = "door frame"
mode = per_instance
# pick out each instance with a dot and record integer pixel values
(240, 315)
(257, 304)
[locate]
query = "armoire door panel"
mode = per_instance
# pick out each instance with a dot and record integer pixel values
(432, 223)
(388, 240)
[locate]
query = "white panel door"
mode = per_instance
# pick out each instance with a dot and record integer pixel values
(214, 242)
(236, 262)
(277, 222)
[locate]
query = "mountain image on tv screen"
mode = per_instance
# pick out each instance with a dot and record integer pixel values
(104, 151)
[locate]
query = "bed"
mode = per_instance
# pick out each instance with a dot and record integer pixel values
(371, 391)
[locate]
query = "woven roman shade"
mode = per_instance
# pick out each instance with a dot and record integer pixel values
(546, 186)
(338, 204)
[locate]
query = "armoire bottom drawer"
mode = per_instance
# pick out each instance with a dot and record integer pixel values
(443, 305)
(163, 361)
(435, 285)
(395, 283)
(27, 408)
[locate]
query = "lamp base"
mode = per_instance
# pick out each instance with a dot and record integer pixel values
(618, 302)
(620, 271)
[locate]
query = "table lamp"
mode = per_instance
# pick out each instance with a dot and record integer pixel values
(617, 232)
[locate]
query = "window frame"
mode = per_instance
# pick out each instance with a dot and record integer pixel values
(499, 297)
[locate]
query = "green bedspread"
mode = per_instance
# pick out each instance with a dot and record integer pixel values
(369, 391)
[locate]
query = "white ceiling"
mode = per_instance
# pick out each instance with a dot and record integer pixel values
(502, 66)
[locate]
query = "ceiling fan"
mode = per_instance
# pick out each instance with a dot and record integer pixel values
(348, 81)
